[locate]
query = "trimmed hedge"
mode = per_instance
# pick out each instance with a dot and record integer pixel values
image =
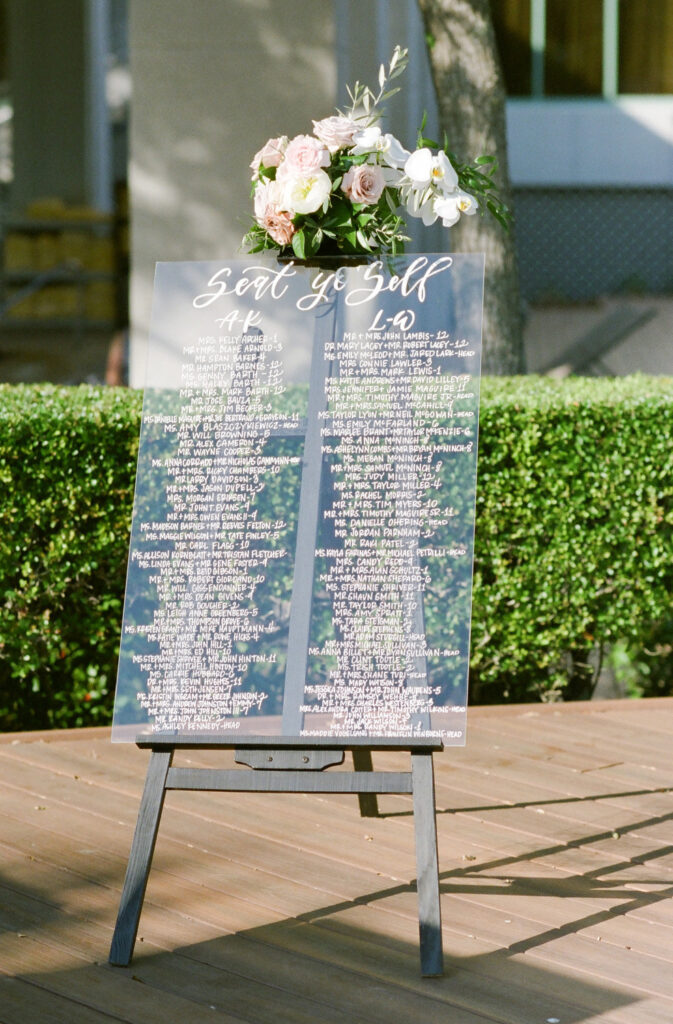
(573, 551)
(67, 466)
(574, 546)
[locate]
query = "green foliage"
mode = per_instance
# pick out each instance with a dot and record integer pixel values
(67, 464)
(573, 551)
(574, 545)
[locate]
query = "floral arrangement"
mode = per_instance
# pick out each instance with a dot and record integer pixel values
(340, 190)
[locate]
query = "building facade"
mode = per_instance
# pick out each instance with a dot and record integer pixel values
(589, 113)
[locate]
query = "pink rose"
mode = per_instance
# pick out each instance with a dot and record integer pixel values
(270, 155)
(280, 227)
(304, 156)
(268, 213)
(336, 132)
(364, 183)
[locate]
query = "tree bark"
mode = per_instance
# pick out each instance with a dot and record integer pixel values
(471, 98)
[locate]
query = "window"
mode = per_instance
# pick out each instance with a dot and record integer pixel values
(573, 63)
(585, 47)
(646, 46)
(511, 20)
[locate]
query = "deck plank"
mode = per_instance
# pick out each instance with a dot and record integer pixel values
(556, 868)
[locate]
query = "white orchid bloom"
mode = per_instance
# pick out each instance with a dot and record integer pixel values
(449, 207)
(420, 203)
(424, 168)
(372, 140)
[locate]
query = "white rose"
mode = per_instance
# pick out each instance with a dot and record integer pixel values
(270, 215)
(268, 194)
(307, 193)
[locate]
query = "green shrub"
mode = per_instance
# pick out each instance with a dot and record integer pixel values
(67, 465)
(573, 550)
(574, 545)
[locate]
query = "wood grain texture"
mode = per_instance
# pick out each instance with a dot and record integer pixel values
(555, 863)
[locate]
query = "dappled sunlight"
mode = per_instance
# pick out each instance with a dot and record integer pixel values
(556, 876)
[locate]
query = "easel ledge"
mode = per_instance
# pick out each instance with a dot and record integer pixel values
(228, 741)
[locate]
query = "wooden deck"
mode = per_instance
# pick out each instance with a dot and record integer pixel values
(556, 862)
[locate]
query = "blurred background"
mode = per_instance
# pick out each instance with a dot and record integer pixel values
(126, 131)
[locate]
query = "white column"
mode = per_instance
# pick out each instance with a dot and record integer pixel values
(97, 129)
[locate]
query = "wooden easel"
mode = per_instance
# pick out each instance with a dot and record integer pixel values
(291, 763)
(288, 766)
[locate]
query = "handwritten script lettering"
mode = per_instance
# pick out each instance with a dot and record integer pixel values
(365, 460)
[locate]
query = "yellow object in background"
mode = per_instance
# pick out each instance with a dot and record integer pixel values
(23, 309)
(47, 250)
(101, 255)
(100, 300)
(74, 246)
(79, 244)
(46, 208)
(19, 251)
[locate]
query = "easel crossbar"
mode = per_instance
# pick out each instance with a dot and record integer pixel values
(239, 780)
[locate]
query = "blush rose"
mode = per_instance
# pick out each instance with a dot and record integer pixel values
(270, 215)
(336, 132)
(304, 156)
(270, 155)
(364, 183)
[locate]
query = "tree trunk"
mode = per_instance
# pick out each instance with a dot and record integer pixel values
(471, 98)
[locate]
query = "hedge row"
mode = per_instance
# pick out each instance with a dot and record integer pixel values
(574, 548)
(573, 552)
(67, 458)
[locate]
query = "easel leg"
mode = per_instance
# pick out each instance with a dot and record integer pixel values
(427, 866)
(140, 858)
(362, 762)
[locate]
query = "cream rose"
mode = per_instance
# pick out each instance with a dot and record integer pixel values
(364, 183)
(307, 193)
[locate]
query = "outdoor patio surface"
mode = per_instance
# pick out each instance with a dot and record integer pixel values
(556, 866)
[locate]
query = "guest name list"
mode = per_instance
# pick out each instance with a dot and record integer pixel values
(366, 385)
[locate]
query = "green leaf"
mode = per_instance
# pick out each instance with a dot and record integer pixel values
(363, 241)
(351, 238)
(340, 215)
(299, 244)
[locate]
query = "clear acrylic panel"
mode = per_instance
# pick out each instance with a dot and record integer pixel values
(301, 549)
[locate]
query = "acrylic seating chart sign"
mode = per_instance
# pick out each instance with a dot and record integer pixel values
(301, 550)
